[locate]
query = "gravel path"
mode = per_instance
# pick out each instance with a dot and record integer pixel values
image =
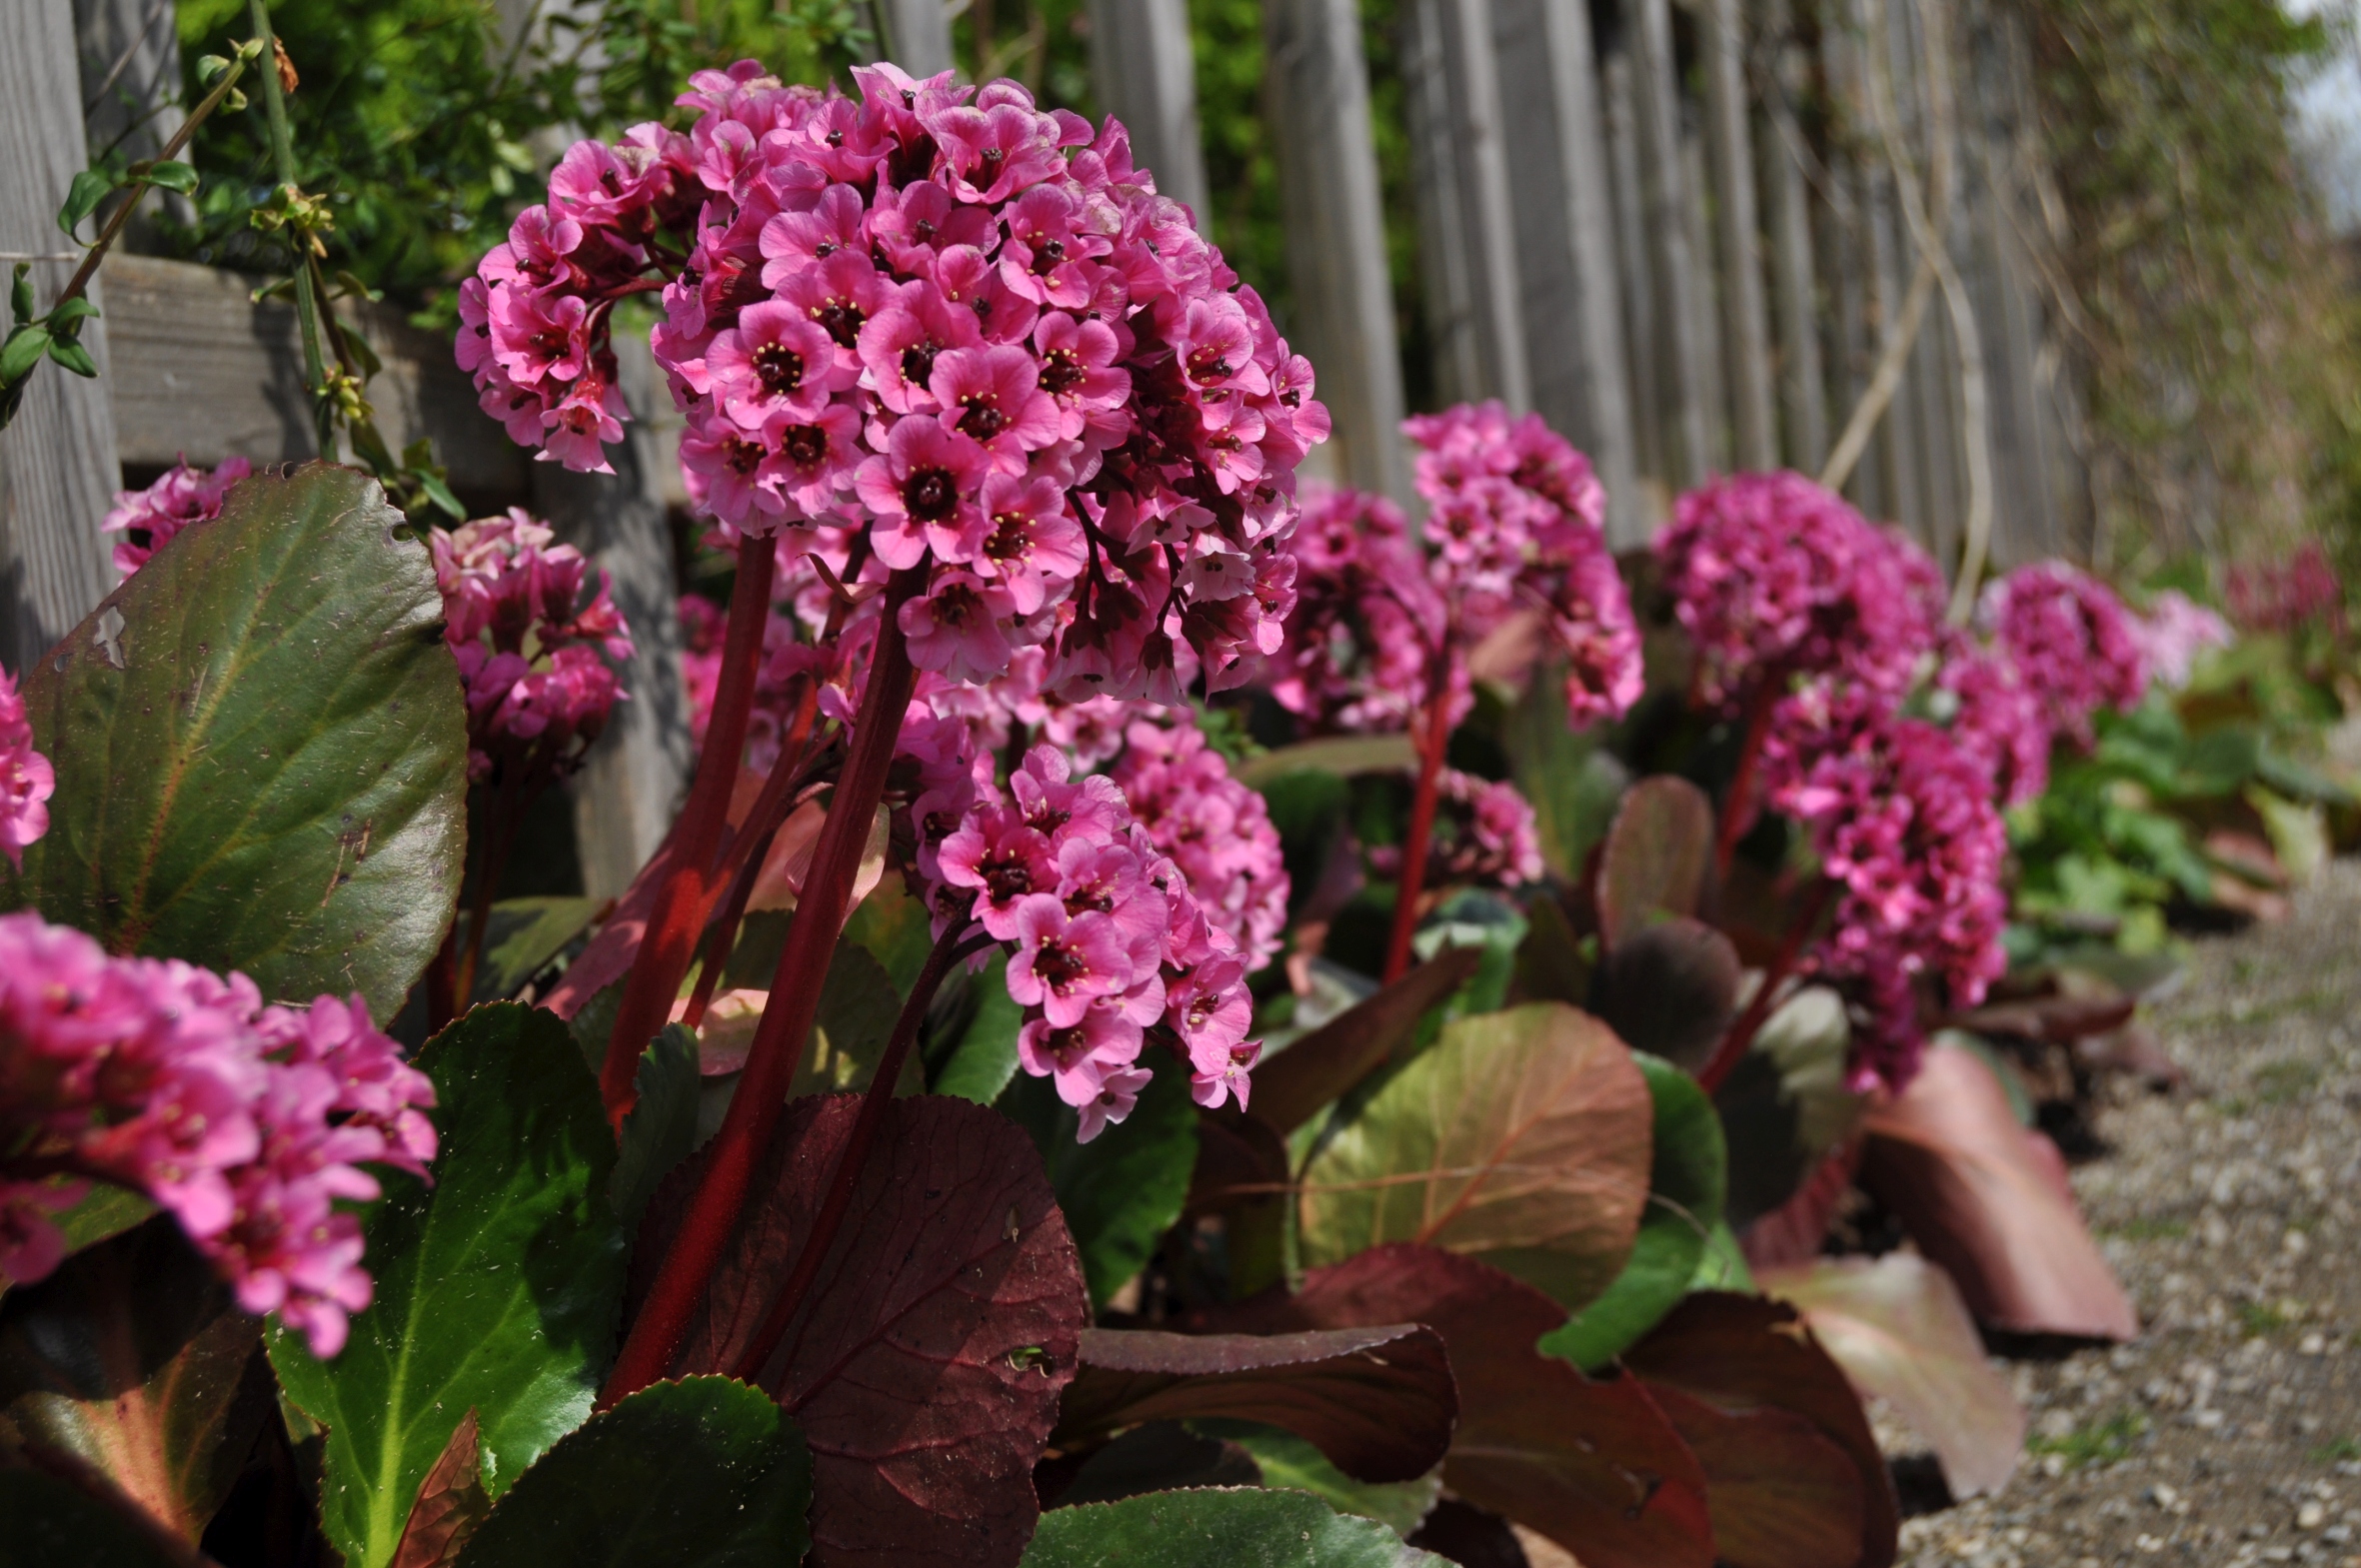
(2230, 1434)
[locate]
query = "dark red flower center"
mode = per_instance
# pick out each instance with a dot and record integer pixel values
(929, 493)
(779, 368)
(1059, 966)
(1062, 371)
(984, 418)
(805, 444)
(841, 320)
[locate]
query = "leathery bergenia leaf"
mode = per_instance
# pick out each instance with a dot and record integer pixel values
(1218, 1528)
(261, 749)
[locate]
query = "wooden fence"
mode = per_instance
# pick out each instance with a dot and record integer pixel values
(1695, 235)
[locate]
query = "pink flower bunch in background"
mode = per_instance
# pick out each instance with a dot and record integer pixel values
(1515, 522)
(1486, 834)
(1775, 577)
(245, 1123)
(2282, 598)
(26, 779)
(1215, 829)
(2173, 631)
(1360, 645)
(932, 328)
(1901, 818)
(148, 519)
(2072, 641)
(1107, 946)
(1997, 718)
(533, 656)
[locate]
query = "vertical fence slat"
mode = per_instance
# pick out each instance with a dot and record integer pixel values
(130, 53)
(1146, 73)
(1804, 392)
(1712, 353)
(1745, 325)
(916, 35)
(1636, 295)
(1317, 105)
(1572, 318)
(1667, 222)
(57, 461)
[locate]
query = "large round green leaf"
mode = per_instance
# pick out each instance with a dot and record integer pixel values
(1218, 1528)
(261, 750)
(498, 1287)
(1686, 1180)
(702, 1473)
(1520, 1137)
(1124, 1189)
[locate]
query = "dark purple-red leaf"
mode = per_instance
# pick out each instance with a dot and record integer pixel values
(924, 1365)
(1740, 1353)
(1781, 1494)
(1655, 859)
(450, 1503)
(1593, 1465)
(1331, 1059)
(1671, 990)
(1377, 1401)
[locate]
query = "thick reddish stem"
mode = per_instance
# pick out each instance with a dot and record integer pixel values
(1413, 850)
(830, 1217)
(1738, 1038)
(760, 1097)
(1737, 808)
(673, 926)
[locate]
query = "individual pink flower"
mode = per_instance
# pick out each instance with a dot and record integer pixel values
(149, 518)
(2172, 634)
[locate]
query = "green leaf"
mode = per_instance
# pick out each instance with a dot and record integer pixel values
(1287, 1460)
(496, 1288)
(1218, 1528)
(20, 294)
(660, 1130)
(260, 749)
(985, 1059)
(49, 1523)
(90, 187)
(70, 355)
(524, 934)
(134, 1358)
(1686, 1180)
(66, 314)
(1308, 809)
(1522, 1138)
(702, 1473)
(1723, 1267)
(25, 347)
(107, 1212)
(172, 176)
(1124, 1189)
(894, 928)
(1343, 755)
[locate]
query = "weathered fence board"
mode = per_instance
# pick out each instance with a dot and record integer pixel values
(1679, 312)
(1145, 74)
(1745, 325)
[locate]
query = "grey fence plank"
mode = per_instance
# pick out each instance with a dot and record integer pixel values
(916, 35)
(1317, 105)
(1145, 70)
(58, 471)
(1681, 313)
(1638, 296)
(1745, 325)
(1803, 391)
(131, 85)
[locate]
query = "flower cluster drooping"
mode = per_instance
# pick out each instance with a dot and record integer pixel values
(1360, 652)
(1108, 946)
(529, 648)
(932, 328)
(1773, 576)
(26, 779)
(2071, 639)
(245, 1121)
(149, 518)
(1217, 831)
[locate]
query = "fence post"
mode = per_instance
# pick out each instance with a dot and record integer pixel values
(1637, 294)
(1145, 68)
(130, 53)
(58, 469)
(1318, 103)
(1565, 243)
(1803, 384)
(1745, 329)
(916, 35)
(1678, 299)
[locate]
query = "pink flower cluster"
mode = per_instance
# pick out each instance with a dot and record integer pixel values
(1775, 577)
(1214, 828)
(1902, 820)
(1997, 718)
(148, 519)
(26, 779)
(247, 1123)
(2282, 598)
(1512, 526)
(931, 329)
(704, 624)
(2072, 641)
(2175, 629)
(1108, 946)
(1484, 833)
(529, 648)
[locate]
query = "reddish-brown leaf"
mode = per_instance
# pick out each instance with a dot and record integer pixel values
(1793, 1233)
(1984, 1200)
(1322, 1066)
(1741, 1353)
(1377, 1401)
(1591, 1465)
(1670, 989)
(1654, 859)
(450, 1503)
(925, 1364)
(1781, 1494)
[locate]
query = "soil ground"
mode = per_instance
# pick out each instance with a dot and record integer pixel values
(2230, 1434)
